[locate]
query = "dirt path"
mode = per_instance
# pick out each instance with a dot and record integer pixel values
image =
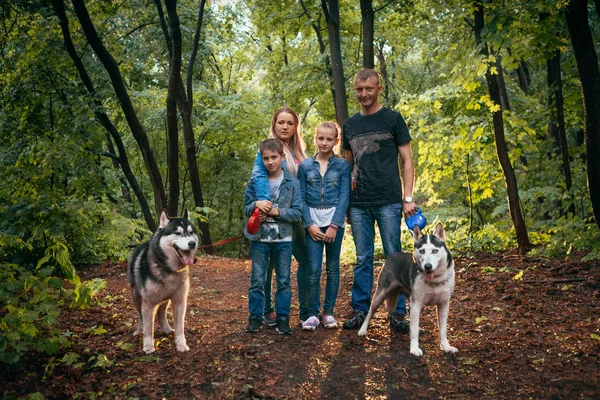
(515, 339)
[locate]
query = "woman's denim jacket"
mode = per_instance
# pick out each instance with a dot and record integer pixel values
(329, 190)
(289, 204)
(259, 172)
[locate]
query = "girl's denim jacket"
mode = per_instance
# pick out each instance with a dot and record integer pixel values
(259, 173)
(289, 204)
(330, 190)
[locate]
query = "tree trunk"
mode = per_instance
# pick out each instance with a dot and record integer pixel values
(136, 127)
(384, 72)
(185, 104)
(172, 117)
(333, 29)
(576, 15)
(509, 174)
(101, 116)
(556, 126)
(322, 47)
(505, 104)
(368, 30)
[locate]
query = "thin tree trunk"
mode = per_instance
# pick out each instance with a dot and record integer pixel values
(502, 84)
(322, 47)
(102, 117)
(368, 29)
(112, 68)
(185, 104)
(509, 174)
(576, 15)
(333, 28)
(172, 120)
(383, 71)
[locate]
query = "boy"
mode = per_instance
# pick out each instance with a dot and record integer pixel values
(274, 238)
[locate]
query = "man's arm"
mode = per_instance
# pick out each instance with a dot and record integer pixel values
(348, 156)
(408, 178)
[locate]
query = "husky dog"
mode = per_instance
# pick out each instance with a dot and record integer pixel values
(158, 272)
(427, 277)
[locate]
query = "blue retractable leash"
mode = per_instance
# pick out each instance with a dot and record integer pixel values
(418, 219)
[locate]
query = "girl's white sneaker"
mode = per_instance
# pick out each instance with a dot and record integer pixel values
(329, 321)
(310, 324)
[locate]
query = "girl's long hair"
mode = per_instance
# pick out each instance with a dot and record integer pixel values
(297, 146)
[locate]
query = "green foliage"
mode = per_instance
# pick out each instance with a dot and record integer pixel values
(32, 301)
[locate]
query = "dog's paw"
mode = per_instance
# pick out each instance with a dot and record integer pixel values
(362, 332)
(167, 329)
(181, 345)
(450, 349)
(149, 349)
(416, 351)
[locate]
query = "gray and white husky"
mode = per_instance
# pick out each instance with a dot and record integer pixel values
(426, 277)
(158, 272)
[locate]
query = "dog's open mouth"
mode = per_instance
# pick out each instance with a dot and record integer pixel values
(186, 256)
(429, 276)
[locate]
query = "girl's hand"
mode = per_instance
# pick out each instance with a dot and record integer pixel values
(263, 205)
(273, 212)
(315, 233)
(330, 235)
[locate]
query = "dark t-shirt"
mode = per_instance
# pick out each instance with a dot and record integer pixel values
(374, 140)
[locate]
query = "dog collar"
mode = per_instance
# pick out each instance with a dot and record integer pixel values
(450, 275)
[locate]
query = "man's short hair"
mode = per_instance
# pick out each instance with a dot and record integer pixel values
(367, 73)
(274, 145)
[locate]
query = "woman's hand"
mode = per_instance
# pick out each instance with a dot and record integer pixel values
(315, 233)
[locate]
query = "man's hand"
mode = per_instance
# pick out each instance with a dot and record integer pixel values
(315, 233)
(409, 209)
(263, 205)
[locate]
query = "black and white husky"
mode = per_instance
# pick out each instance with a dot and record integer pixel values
(158, 272)
(426, 277)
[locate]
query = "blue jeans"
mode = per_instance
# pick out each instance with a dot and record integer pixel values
(299, 252)
(388, 219)
(314, 253)
(281, 254)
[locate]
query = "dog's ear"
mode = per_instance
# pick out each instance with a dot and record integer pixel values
(164, 219)
(440, 233)
(417, 234)
(186, 215)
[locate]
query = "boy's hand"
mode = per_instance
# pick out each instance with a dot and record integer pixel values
(330, 235)
(315, 233)
(262, 216)
(263, 205)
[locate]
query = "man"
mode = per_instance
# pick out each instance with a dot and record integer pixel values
(373, 139)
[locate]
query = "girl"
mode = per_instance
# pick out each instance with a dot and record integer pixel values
(285, 126)
(325, 188)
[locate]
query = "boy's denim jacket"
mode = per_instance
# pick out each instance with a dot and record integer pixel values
(330, 190)
(289, 204)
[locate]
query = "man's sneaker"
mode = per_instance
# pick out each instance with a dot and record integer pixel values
(283, 326)
(329, 321)
(356, 320)
(398, 323)
(270, 319)
(254, 325)
(310, 324)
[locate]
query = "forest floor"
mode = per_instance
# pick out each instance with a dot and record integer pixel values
(533, 337)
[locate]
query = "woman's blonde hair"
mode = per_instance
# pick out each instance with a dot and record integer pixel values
(328, 125)
(297, 146)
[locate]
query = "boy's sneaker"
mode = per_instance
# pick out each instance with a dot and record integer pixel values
(329, 321)
(270, 319)
(356, 321)
(254, 325)
(310, 324)
(283, 326)
(398, 323)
